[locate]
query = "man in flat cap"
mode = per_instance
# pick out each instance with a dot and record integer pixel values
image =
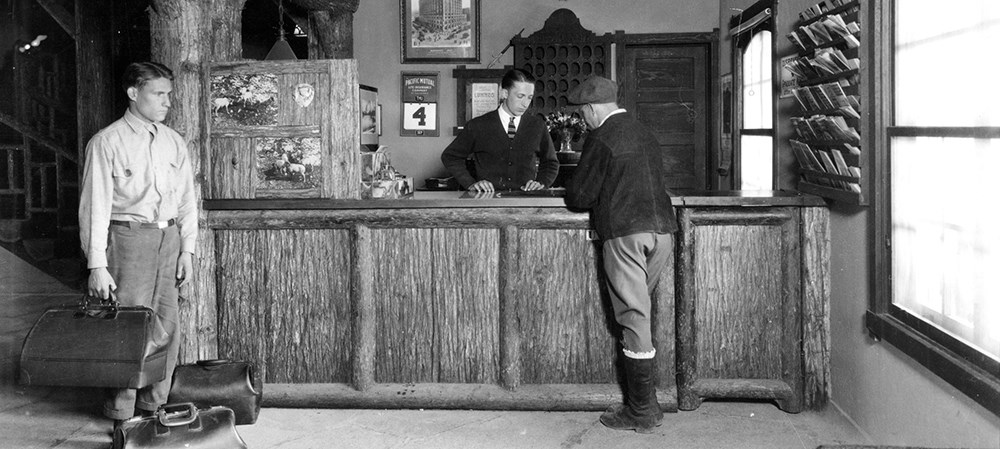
(620, 178)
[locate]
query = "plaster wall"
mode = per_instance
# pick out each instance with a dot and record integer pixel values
(890, 397)
(376, 47)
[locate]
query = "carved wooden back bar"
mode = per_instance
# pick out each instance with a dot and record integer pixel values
(560, 56)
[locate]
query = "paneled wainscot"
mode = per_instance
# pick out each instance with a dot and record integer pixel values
(443, 302)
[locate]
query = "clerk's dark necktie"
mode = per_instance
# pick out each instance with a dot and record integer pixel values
(510, 128)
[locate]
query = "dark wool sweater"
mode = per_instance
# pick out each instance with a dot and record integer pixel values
(506, 163)
(620, 177)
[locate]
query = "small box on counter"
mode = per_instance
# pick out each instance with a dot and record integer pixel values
(392, 189)
(373, 162)
(379, 180)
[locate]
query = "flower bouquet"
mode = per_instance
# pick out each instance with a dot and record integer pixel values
(568, 127)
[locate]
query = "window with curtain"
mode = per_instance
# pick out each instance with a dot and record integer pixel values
(756, 141)
(940, 268)
(754, 147)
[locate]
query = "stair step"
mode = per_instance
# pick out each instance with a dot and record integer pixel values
(10, 229)
(40, 225)
(40, 249)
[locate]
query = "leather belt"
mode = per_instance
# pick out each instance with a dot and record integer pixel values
(153, 225)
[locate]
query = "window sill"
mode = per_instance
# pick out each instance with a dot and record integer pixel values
(975, 382)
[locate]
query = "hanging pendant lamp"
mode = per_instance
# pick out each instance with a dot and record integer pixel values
(280, 50)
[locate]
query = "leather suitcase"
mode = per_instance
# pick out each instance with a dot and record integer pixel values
(180, 426)
(95, 345)
(219, 382)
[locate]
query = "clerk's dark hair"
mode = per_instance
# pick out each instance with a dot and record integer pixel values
(137, 74)
(516, 76)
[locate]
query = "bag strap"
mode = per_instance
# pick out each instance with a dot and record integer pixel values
(213, 363)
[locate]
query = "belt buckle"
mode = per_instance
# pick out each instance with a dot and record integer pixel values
(162, 224)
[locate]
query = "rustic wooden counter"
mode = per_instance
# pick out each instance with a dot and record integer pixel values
(439, 301)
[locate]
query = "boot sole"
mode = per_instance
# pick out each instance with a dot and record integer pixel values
(637, 429)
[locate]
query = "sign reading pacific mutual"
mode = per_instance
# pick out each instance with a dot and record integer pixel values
(420, 88)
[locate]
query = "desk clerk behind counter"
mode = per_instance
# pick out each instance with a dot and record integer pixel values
(505, 143)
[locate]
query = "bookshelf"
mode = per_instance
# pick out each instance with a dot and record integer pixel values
(826, 143)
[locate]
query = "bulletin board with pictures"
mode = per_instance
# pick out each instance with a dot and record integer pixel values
(283, 129)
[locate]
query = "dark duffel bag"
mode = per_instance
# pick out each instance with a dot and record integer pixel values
(95, 344)
(180, 426)
(219, 382)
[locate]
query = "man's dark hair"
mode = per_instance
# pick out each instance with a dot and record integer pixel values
(138, 73)
(516, 75)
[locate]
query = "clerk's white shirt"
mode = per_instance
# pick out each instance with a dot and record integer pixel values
(505, 118)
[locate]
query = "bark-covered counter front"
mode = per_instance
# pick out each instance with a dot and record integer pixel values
(497, 303)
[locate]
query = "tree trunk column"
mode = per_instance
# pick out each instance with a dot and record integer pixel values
(331, 34)
(178, 30)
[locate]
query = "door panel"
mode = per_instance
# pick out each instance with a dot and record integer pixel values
(666, 87)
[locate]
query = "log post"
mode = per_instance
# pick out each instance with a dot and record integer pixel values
(95, 103)
(330, 24)
(177, 39)
(331, 34)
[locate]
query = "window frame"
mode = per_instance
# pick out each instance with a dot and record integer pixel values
(964, 367)
(740, 42)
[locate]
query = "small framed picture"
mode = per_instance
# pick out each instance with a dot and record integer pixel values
(439, 31)
(368, 105)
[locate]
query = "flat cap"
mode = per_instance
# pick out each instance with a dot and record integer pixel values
(596, 89)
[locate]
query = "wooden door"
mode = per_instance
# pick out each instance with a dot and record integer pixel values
(666, 87)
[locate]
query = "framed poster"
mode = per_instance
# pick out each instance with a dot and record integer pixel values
(438, 31)
(478, 92)
(419, 99)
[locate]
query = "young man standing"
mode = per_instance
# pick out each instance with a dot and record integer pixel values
(139, 219)
(620, 178)
(505, 144)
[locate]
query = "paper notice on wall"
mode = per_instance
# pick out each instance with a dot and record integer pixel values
(788, 81)
(485, 98)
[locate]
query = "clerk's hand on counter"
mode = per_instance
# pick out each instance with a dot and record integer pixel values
(533, 185)
(482, 186)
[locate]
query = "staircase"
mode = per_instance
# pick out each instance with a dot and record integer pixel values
(39, 167)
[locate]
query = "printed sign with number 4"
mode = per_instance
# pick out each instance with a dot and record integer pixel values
(419, 116)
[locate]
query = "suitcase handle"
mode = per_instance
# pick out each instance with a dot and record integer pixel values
(112, 302)
(186, 413)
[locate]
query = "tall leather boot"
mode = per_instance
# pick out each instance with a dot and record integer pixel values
(640, 412)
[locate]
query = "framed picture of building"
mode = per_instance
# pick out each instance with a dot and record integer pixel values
(439, 31)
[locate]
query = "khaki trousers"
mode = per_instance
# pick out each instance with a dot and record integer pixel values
(143, 263)
(633, 265)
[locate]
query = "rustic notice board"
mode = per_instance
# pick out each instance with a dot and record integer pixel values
(282, 129)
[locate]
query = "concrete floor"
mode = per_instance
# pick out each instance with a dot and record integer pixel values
(43, 417)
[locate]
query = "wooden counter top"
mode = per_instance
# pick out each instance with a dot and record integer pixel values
(546, 199)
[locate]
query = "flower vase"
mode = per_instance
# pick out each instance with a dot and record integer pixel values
(565, 141)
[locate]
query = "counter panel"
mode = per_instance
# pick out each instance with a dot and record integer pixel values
(284, 302)
(738, 284)
(504, 307)
(565, 337)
